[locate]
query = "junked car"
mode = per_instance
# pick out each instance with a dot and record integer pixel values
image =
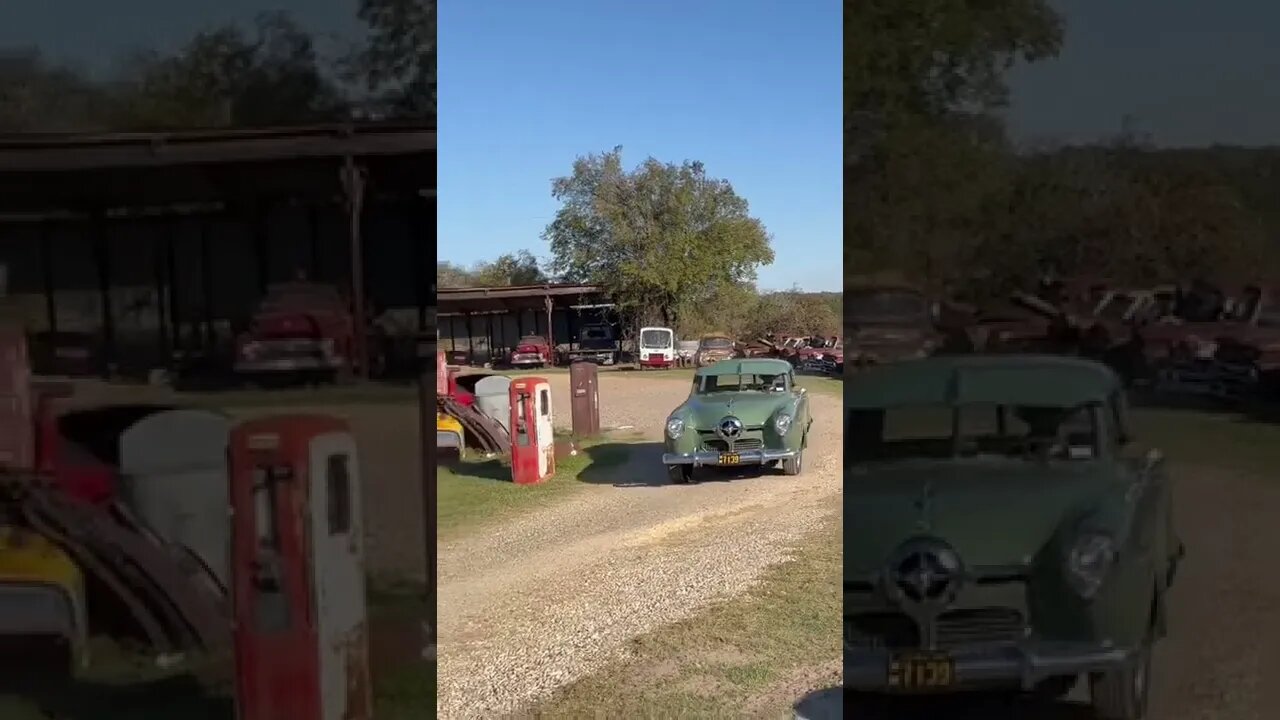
(44, 624)
(887, 323)
(740, 412)
(999, 534)
(714, 347)
(657, 347)
(299, 328)
(532, 351)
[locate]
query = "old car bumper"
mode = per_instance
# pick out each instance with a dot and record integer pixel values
(745, 457)
(1023, 665)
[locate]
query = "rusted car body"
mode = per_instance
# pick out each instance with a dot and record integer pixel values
(299, 328)
(532, 351)
(1183, 348)
(714, 347)
(1247, 356)
(887, 322)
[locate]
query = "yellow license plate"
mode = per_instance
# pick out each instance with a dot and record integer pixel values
(921, 672)
(730, 459)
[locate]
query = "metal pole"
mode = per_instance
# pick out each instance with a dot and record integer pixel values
(353, 185)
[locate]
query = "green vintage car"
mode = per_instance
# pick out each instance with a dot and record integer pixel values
(741, 412)
(1001, 532)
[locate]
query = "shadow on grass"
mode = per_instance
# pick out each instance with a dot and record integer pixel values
(497, 468)
(178, 696)
(639, 464)
(967, 706)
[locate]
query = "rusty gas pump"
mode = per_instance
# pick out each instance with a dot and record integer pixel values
(297, 571)
(584, 404)
(532, 444)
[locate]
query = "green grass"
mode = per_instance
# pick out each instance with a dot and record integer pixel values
(123, 684)
(738, 658)
(474, 494)
(1221, 439)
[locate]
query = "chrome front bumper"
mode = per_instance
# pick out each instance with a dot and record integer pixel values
(745, 457)
(1024, 665)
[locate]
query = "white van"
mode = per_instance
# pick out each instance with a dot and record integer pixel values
(657, 347)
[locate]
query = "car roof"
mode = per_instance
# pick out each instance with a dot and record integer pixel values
(1014, 379)
(745, 366)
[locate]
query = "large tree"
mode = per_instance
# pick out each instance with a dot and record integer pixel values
(660, 237)
(227, 77)
(398, 65)
(926, 168)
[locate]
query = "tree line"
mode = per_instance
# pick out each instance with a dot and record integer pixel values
(272, 73)
(935, 189)
(737, 308)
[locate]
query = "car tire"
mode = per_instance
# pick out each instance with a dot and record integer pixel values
(680, 474)
(1122, 694)
(793, 465)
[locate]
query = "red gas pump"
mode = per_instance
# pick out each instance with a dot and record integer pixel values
(297, 571)
(532, 449)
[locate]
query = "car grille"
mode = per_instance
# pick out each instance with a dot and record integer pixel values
(743, 444)
(955, 628)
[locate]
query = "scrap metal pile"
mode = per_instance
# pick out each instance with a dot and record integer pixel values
(59, 489)
(474, 405)
(481, 431)
(1193, 338)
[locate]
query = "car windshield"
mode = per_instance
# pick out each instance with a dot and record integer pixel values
(655, 339)
(739, 383)
(717, 343)
(944, 432)
(533, 340)
(868, 306)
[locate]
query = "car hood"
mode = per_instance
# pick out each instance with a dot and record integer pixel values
(993, 512)
(752, 408)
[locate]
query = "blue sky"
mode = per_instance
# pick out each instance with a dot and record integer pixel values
(752, 88)
(1189, 72)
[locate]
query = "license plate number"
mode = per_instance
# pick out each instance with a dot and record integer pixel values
(921, 672)
(730, 459)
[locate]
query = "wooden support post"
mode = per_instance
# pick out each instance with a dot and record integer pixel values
(46, 267)
(551, 340)
(160, 268)
(353, 185)
(102, 258)
(171, 272)
(261, 253)
(471, 341)
(206, 286)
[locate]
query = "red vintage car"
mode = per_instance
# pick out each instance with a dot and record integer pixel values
(531, 351)
(299, 328)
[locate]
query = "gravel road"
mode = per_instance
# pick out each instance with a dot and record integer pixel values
(555, 594)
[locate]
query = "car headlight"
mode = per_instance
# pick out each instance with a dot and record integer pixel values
(675, 428)
(1088, 563)
(782, 423)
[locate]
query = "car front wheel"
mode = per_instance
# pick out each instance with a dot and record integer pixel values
(1121, 694)
(793, 465)
(680, 474)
